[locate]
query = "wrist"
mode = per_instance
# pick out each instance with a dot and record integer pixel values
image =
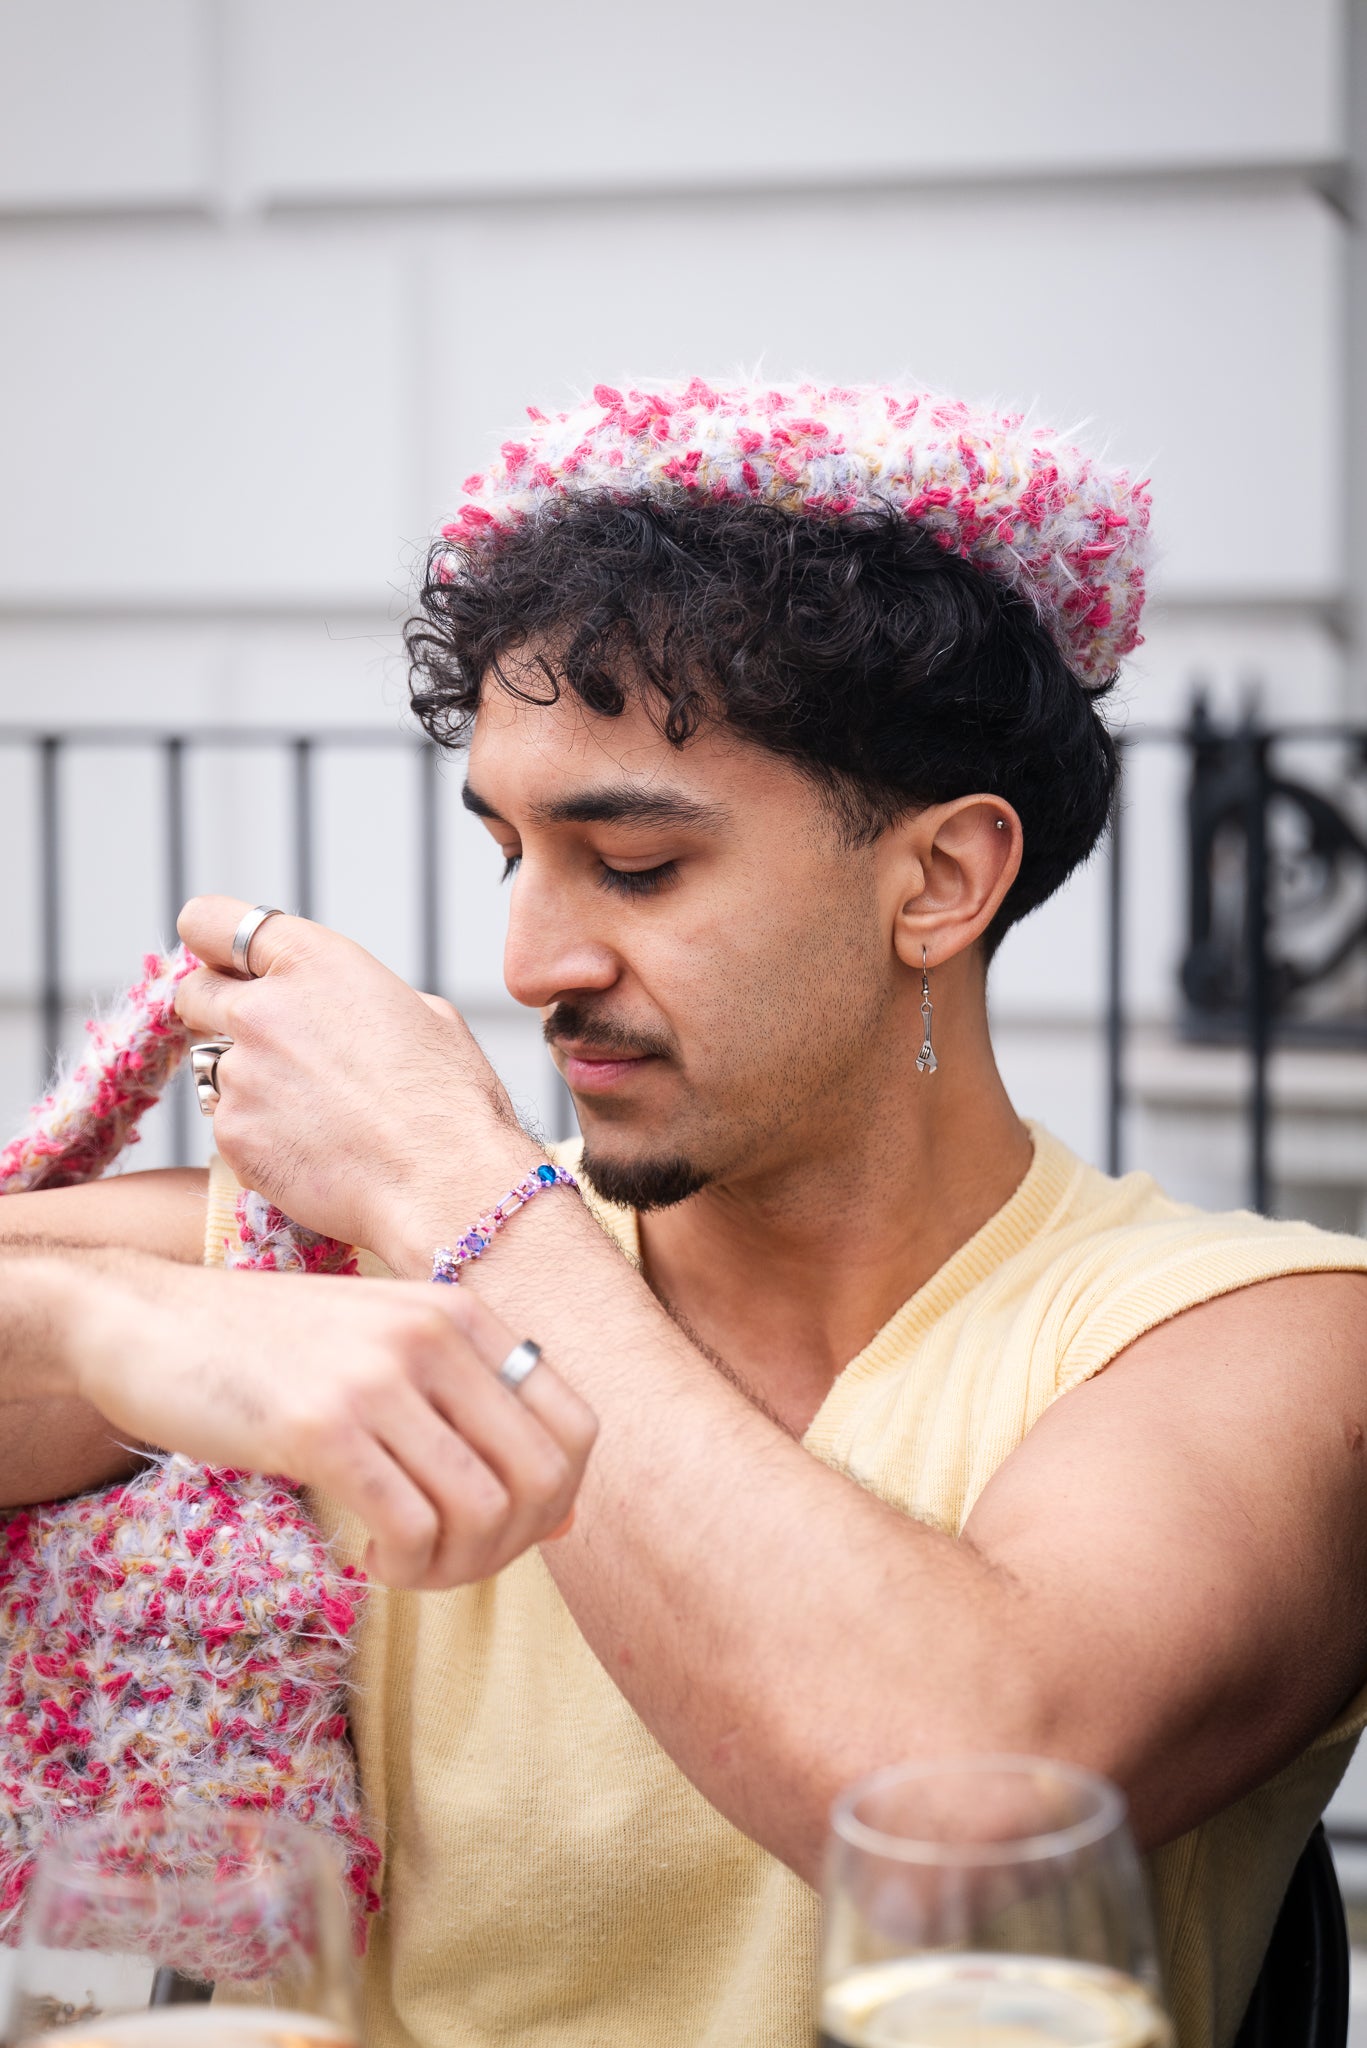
(106, 1306)
(446, 1203)
(64, 1306)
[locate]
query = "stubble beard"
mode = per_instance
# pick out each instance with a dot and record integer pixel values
(825, 1071)
(661, 1182)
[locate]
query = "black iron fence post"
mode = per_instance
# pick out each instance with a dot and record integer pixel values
(303, 827)
(1258, 980)
(50, 896)
(429, 868)
(173, 755)
(1115, 977)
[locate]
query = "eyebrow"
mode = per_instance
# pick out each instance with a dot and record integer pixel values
(615, 804)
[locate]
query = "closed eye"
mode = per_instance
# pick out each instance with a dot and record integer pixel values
(640, 881)
(625, 881)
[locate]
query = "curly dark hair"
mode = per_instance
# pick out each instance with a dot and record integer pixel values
(894, 674)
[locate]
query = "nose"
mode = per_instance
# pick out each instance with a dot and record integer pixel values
(550, 949)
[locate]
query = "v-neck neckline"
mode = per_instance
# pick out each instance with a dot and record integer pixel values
(1050, 1177)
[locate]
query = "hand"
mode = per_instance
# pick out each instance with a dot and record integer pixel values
(346, 1096)
(384, 1395)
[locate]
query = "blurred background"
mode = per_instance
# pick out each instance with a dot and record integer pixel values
(275, 275)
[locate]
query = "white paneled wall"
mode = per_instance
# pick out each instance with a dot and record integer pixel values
(105, 107)
(275, 274)
(416, 97)
(200, 420)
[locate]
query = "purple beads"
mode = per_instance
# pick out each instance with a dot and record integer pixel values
(446, 1262)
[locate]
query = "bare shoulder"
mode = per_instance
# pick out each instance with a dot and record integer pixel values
(1201, 1508)
(1262, 1391)
(1289, 1352)
(1309, 1309)
(161, 1212)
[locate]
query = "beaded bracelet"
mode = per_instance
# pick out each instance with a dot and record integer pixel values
(447, 1260)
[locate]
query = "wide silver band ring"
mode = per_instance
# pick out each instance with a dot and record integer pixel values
(245, 933)
(204, 1059)
(521, 1360)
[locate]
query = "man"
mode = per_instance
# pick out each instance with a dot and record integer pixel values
(781, 708)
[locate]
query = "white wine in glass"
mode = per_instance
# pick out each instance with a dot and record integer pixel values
(237, 1925)
(986, 1902)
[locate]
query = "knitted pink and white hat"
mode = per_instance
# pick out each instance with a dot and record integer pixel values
(999, 489)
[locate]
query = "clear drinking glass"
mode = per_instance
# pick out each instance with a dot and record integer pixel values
(986, 1902)
(245, 1911)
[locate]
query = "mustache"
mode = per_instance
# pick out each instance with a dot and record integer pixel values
(577, 1022)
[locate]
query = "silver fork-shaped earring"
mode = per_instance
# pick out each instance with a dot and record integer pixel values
(926, 1062)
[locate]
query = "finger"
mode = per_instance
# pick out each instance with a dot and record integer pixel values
(539, 1474)
(206, 1004)
(543, 1393)
(439, 1007)
(404, 1524)
(207, 925)
(476, 1517)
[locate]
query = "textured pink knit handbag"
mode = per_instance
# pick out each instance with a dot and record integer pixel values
(184, 1637)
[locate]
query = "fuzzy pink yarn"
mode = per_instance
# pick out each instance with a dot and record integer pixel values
(186, 1636)
(93, 1108)
(182, 1638)
(1007, 493)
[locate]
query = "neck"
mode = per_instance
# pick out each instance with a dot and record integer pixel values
(785, 1275)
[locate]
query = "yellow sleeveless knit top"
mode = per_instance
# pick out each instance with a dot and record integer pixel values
(553, 1881)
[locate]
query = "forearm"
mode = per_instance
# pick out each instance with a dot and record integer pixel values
(777, 1628)
(161, 1212)
(54, 1442)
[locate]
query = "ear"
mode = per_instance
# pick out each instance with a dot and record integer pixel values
(949, 869)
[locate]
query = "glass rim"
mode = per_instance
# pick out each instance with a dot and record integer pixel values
(55, 1864)
(1110, 1811)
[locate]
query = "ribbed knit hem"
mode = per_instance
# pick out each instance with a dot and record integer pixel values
(1050, 1179)
(1198, 1273)
(220, 1220)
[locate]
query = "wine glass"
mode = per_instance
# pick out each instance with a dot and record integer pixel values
(132, 1915)
(986, 1902)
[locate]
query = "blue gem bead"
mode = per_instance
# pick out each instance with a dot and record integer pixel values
(443, 1278)
(473, 1245)
(545, 1174)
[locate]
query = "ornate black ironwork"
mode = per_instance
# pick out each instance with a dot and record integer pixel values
(1245, 811)
(1277, 904)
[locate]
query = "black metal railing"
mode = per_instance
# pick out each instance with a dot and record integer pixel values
(51, 751)
(1239, 982)
(1276, 909)
(1260, 845)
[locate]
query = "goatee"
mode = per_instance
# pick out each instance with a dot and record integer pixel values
(642, 1183)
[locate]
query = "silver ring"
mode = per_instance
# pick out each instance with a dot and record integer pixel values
(245, 933)
(521, 1360)
(204, 1059)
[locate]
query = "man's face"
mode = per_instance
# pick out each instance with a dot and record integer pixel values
(708, 954)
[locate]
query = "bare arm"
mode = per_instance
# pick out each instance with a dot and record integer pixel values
(160, 1212)
(377, 1393)
(1205, 1536)
(1167, 1581)
(53, 1443)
